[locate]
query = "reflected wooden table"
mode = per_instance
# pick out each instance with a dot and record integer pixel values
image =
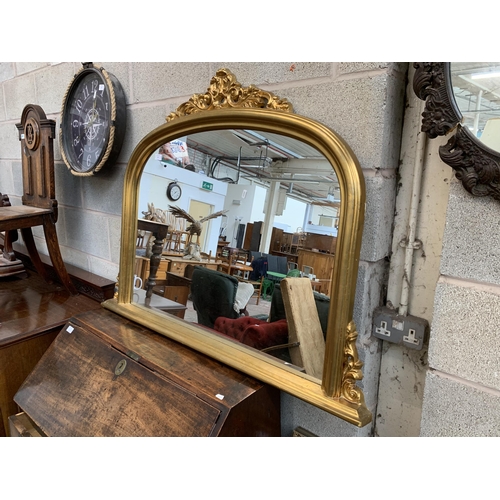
(232, 268)
(321, 286)
(159, 231)
(158, 302)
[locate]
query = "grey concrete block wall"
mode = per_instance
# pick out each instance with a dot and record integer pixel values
(465, 334)
(51, 85)
(370, 127)
(363, 102)
(295, 413)
(7, 71)
(462, 389)
(379, 215)
(2, 105)
(10, 147)
(159, 81)
(17, 93)
(471, 250)
(369, 287)
(454, 408)
(260, 74)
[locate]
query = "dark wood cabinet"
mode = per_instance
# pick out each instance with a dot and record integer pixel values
(322, 263)
(107, 376)
(322, 242)
(253, 235)
(32, 313)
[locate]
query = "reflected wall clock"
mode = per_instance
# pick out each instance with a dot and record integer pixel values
(174, 191)
(93, 120)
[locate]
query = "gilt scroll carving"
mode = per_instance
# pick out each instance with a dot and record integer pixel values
(352, 368)
(226, 92)
(476, 166)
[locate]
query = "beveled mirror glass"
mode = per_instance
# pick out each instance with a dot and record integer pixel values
(476, 89)
(227, 110)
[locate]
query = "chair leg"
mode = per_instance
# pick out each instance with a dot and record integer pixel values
(8, 252)
(259, 290)
(33, 253)
(50, 232)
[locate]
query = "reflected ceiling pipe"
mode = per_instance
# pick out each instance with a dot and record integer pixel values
(301, 165)
(267, 227)
(238, 164)
(478, 108)
(480, 86)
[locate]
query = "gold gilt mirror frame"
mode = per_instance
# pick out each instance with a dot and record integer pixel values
(228, 105)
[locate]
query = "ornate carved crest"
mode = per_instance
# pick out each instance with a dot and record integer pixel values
(429, 85)
(476, 166)
(31, 134)
(477, 169)
(226, 92)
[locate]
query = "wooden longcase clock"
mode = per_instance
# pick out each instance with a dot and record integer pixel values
(93, 120)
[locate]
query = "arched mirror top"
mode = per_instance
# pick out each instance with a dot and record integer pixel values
(228, 109)
(462, 101)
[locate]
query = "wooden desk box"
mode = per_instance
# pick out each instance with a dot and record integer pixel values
(107, 376)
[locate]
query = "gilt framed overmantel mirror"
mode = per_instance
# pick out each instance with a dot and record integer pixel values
(462, 101)
(250, 140)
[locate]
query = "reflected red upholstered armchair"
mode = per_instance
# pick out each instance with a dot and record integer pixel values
(253, 332)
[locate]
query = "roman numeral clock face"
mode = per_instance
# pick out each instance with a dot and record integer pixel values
(87, 122)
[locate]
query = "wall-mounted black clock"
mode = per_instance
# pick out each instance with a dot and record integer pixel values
(174, 191)
(93, 120)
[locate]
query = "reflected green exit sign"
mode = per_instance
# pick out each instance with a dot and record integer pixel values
(207, 185)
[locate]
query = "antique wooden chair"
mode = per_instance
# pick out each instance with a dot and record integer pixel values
(39, 206)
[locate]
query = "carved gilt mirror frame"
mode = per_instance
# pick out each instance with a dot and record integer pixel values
(476, 165)
(228, 105)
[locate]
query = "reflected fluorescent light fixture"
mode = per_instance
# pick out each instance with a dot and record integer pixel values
(491, 74)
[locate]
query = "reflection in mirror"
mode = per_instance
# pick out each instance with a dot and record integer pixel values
(476, 88)
(268, 207)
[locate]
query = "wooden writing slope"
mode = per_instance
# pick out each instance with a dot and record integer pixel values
(107, 376)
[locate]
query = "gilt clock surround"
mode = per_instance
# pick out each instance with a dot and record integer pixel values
(93, 120)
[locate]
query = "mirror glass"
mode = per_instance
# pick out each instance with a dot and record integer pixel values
(277, 196)
(476, 87)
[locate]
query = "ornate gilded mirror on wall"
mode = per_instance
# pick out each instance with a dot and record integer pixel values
(463, 100)
(229, 108)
